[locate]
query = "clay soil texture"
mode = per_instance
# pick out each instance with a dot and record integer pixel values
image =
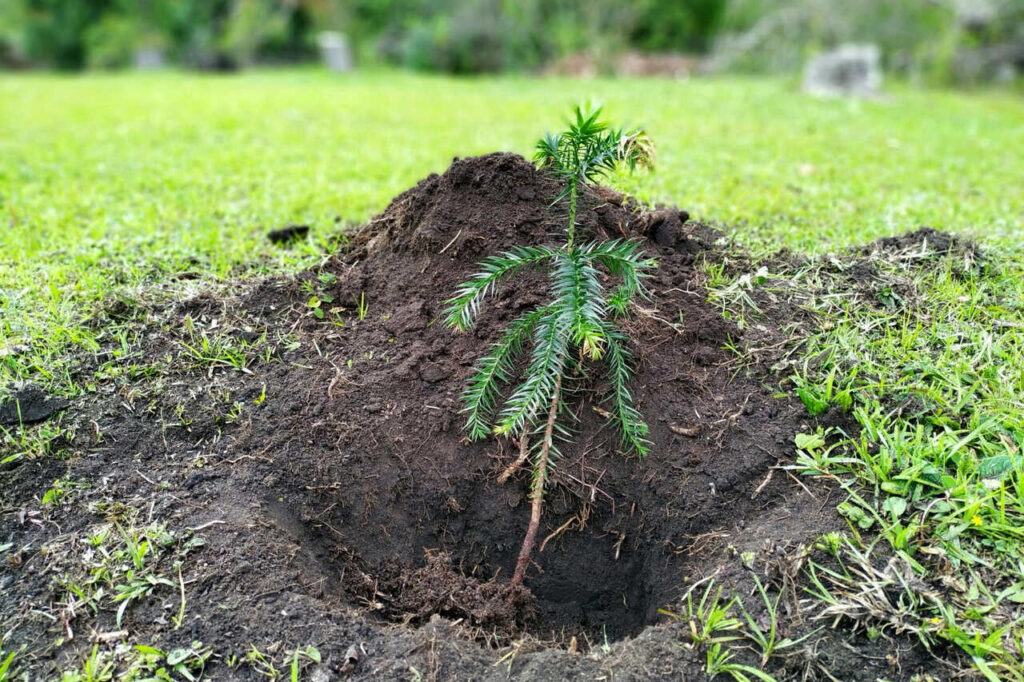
(297, 443)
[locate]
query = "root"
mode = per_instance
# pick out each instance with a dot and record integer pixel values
(558, 531)
(524, 452)
(653, 315)
(538, 490)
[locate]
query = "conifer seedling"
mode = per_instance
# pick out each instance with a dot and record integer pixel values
(576, 327)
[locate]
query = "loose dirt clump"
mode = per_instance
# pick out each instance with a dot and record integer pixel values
(27, 405)
(307, 429)
(923, 242)
(412, 594)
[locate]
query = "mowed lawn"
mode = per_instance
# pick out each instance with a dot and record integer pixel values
(112, 181)
(197, 164)
(120, 170)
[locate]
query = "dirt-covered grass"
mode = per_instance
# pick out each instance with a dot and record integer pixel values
(119, 194)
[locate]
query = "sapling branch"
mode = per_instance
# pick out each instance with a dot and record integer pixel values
(575, 327)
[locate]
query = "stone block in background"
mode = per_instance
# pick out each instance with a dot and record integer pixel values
(849, 70)
(335, 51)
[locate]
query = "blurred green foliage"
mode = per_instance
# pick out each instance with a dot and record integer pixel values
(459, 36)
(935, 40)
(470, 36)
(71, 34)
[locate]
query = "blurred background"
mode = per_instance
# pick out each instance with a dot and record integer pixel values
(928, 42)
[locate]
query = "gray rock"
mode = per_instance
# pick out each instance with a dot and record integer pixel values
(149, 59)
(848, 71)
(335, 51)
(975, 15)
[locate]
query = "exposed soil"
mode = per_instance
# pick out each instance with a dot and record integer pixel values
(341, 505)
(28, 404)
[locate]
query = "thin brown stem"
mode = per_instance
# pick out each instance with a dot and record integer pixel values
(537, 493)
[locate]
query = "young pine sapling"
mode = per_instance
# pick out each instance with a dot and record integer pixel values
(576, 325)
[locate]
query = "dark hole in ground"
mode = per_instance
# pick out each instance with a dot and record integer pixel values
(588, 582)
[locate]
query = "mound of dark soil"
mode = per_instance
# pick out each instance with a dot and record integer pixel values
(336, 491)
(381, 446)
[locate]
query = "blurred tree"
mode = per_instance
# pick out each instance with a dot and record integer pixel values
(111, 42)
(689, 26)
(931, 39)
(260, 30)
(70, 34)
(54, 31)
(471, 36)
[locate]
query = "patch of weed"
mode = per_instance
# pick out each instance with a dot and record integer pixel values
(932, 374)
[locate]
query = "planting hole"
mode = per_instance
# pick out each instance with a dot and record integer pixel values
(593, 582)
(405, 518)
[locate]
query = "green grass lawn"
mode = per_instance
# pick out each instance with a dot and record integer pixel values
(114, 181)
(110, 184)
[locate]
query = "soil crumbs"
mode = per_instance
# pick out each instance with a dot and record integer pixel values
(291, 461)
